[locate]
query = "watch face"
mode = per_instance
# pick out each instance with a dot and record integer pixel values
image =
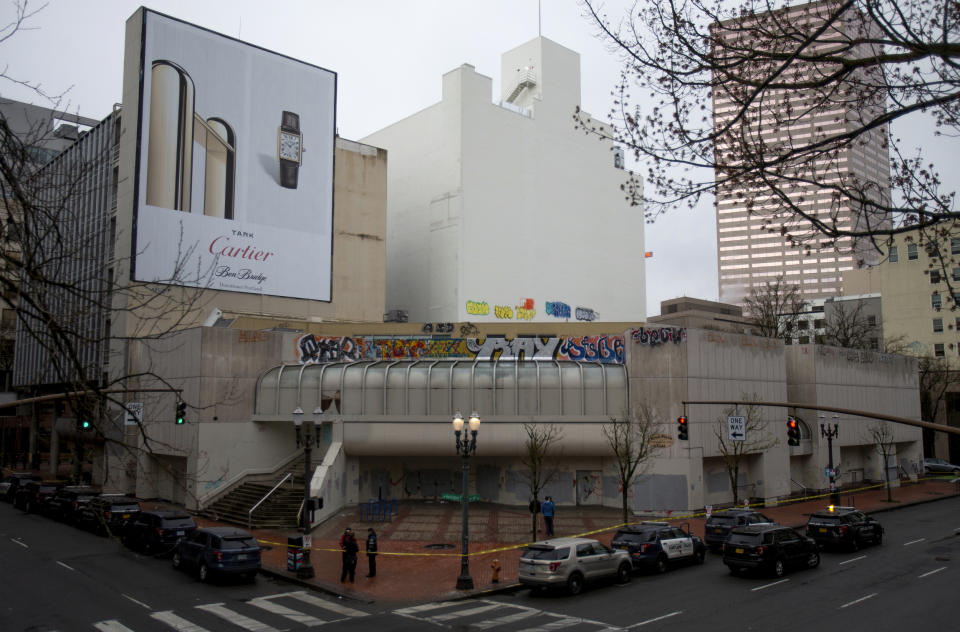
(289, 146)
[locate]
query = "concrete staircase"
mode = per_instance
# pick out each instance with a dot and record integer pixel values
(279, 511)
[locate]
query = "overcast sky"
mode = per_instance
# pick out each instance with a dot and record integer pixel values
(389, 57)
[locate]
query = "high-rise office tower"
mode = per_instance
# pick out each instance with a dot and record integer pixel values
(785, 150)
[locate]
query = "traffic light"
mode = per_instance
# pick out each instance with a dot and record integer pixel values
(181, 417)
(793, 431)
(85, 424)
(682, 429)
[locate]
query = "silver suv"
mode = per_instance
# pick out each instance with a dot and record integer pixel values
(571, 561)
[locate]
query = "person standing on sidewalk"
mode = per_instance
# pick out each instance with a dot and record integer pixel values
(372, 552)
(350, 550)
(547, 509)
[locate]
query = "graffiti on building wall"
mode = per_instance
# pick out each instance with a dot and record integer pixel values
(503, 312)
(558, 309)
(585, 313)
(437, 328)
(311, 349)
(658, 336)
(478, 308)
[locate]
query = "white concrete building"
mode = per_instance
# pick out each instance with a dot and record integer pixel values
(502, 210)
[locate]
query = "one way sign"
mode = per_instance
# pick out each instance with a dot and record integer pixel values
(736, 428)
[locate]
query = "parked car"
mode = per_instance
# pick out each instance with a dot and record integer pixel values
(570, 562)
(157, 531)
(935, 466)
(718, 525)
(844, 526)
(33, 495)
(219, 551)
(769, 547)
(12, 482)
(656, 545)
(106, 514)
(69, 501)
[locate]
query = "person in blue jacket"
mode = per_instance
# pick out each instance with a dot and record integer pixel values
(547, 509)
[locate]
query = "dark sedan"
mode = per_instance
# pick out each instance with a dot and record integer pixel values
(157, 531)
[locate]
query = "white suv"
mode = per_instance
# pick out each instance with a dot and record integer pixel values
(571, 561)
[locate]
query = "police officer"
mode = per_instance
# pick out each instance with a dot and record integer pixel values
(372, 551)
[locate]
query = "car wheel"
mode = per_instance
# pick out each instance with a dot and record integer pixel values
(779, 568)
(661, 565)
(855, 544)
(204, 572)
(623, 573)
(813, 560)
(176, 559)
(699, 556)
(575, 583)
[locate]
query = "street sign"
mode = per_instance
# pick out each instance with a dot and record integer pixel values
(709, 509)
(736, 428)
(134, 414)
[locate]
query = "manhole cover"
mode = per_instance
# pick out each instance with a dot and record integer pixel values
(442, 545)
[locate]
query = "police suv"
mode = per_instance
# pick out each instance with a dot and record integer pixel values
(656, 545)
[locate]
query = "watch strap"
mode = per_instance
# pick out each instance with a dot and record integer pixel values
(290, 121)
(288, 174)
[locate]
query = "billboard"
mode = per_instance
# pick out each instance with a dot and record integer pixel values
(234, 186)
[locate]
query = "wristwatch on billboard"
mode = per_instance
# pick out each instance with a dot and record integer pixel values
(290, 148)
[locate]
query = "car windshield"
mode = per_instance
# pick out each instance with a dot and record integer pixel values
(240, 542)
(635, 538)
(722, 520)
(745, 538)
(177, 522)
(550, 555)
(825, 519)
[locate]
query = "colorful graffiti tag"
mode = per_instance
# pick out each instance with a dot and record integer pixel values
(478, 308)
(558, 309)
(311, 349)
(658, 336)
(585, 313)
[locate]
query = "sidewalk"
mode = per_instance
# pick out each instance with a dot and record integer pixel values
(419, 557)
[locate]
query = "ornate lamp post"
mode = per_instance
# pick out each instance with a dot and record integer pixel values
(465, 447)
(306, 569)
(831, 434)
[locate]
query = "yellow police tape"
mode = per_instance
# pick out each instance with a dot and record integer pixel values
(700, 514)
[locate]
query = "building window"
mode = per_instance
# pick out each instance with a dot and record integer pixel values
(934, 276)
(894, 254)
(937, 325)
(955, 246)
(818, 324)
(938, 349)
(874, 343)
(821, 340)
(818, 308)
(935, 301)
(956, 274)
(804, 340)
(872, 320)
(912, 252)
(803, 324)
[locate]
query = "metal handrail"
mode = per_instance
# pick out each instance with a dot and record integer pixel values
(265, 496)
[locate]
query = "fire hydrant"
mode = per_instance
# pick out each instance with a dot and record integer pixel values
(495, 565)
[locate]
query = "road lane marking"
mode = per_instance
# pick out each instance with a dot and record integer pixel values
(111, 626)
(913, 542)
(462, 613)
(326, 605)
(936, 570)
(69, 568)
(856, 601)
(660, 618)
(26, 546)
(525, 613)
(266, 604)
(565, 622)
(852, 560)
(176, 622)
(426, 606)
(139, 603)
(768, 585)
(236, 618)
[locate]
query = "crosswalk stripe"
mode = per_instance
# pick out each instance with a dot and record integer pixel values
(565, 622)
(236, 618)
(504, 620)
(425, 607)
(176, 622)
(462, 613)
(267, 604)
(111, 626)
(326, 605)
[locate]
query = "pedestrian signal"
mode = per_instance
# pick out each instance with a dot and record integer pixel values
(682, 429)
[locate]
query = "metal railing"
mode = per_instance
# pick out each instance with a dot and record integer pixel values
(265, 496)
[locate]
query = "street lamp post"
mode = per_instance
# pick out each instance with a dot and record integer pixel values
(305, 571)
(465, 447)
(831, 434)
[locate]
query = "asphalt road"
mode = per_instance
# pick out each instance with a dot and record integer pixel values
(58, 578)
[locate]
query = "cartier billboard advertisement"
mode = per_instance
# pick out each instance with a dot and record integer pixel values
(234, 165)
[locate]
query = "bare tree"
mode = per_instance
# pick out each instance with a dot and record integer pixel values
(856, 65)
(541, 461)
(755, 440)
(629, 440)
(881, 434)
(848, 326)
(936, 380)
(774, 308)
